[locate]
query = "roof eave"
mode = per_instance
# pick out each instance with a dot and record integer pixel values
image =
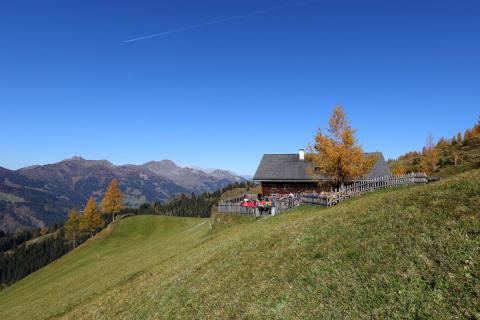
(290, 180)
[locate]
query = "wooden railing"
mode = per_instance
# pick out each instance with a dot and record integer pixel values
(280, 205)
(225, 206)
(360, 187)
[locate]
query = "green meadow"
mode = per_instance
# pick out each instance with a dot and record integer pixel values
(404, 253)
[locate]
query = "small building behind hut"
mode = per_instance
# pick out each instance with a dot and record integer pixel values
(288, 173)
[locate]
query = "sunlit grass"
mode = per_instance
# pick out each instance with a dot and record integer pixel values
(406, 253)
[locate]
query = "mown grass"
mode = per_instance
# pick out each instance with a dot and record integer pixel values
(238, 192)
(398, 254)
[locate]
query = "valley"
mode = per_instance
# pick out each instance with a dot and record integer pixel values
(38, 196)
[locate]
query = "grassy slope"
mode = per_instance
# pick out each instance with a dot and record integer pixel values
(237, 192)
(408, 253)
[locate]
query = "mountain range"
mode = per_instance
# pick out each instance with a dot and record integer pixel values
(40, 195)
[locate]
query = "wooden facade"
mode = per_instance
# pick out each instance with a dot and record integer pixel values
(285, 187)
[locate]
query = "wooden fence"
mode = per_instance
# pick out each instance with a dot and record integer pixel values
(280, 205)
(225, 206)
(285, 203)
(360, 187)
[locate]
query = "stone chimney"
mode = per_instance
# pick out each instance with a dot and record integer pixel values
(301, 154)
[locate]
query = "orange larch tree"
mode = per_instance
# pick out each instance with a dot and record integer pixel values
(430, 156)
(91, 219)
(398, 169)
(337, 153)
(112, 202)
(467, 135)
(72, 227)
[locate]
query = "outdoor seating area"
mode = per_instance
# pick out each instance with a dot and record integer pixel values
(263, 204)
(260, 205)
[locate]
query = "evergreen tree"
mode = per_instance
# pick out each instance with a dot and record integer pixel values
(72, 227)
(113, 200)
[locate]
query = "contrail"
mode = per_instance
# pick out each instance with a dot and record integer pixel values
(209, 23)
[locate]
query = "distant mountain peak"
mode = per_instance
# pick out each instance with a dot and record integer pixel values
(48, 191)
(82, 161)
(161, 167)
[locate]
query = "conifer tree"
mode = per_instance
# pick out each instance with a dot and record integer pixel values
(72, 227)
(91, 219)
(398, 169)
(459, 137)
(337, 153)
(467, 135)
(430, 156)
(112, 202)
(476, 129)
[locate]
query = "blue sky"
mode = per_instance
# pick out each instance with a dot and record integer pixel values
(223, 94)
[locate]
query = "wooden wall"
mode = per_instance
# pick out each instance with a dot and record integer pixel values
(269, 188)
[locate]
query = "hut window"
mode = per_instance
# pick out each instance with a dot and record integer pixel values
(317, 169)
(274, 189)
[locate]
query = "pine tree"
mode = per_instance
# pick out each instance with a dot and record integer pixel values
(459, 137)
(72, 227)
(91, 219)
(453, 140)
(430, 156)
(442, 142)
(337, 154)
(112, 202)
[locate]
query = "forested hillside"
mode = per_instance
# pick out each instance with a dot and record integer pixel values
(444, 158)
(190, 206)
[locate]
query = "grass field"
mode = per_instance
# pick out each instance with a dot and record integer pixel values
(401, 253)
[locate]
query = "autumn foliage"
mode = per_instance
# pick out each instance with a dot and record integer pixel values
(430, 156)
(398, 169)
(91, 219)
(112, 202)
(72, 227)
(337, 153)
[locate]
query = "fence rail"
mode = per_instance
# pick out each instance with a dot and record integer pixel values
(280, 205)
(236, 208)
(360, 187)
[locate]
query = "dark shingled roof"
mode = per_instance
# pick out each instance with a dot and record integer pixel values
(288, 167)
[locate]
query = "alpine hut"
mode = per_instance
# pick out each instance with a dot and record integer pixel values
(285, 173)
